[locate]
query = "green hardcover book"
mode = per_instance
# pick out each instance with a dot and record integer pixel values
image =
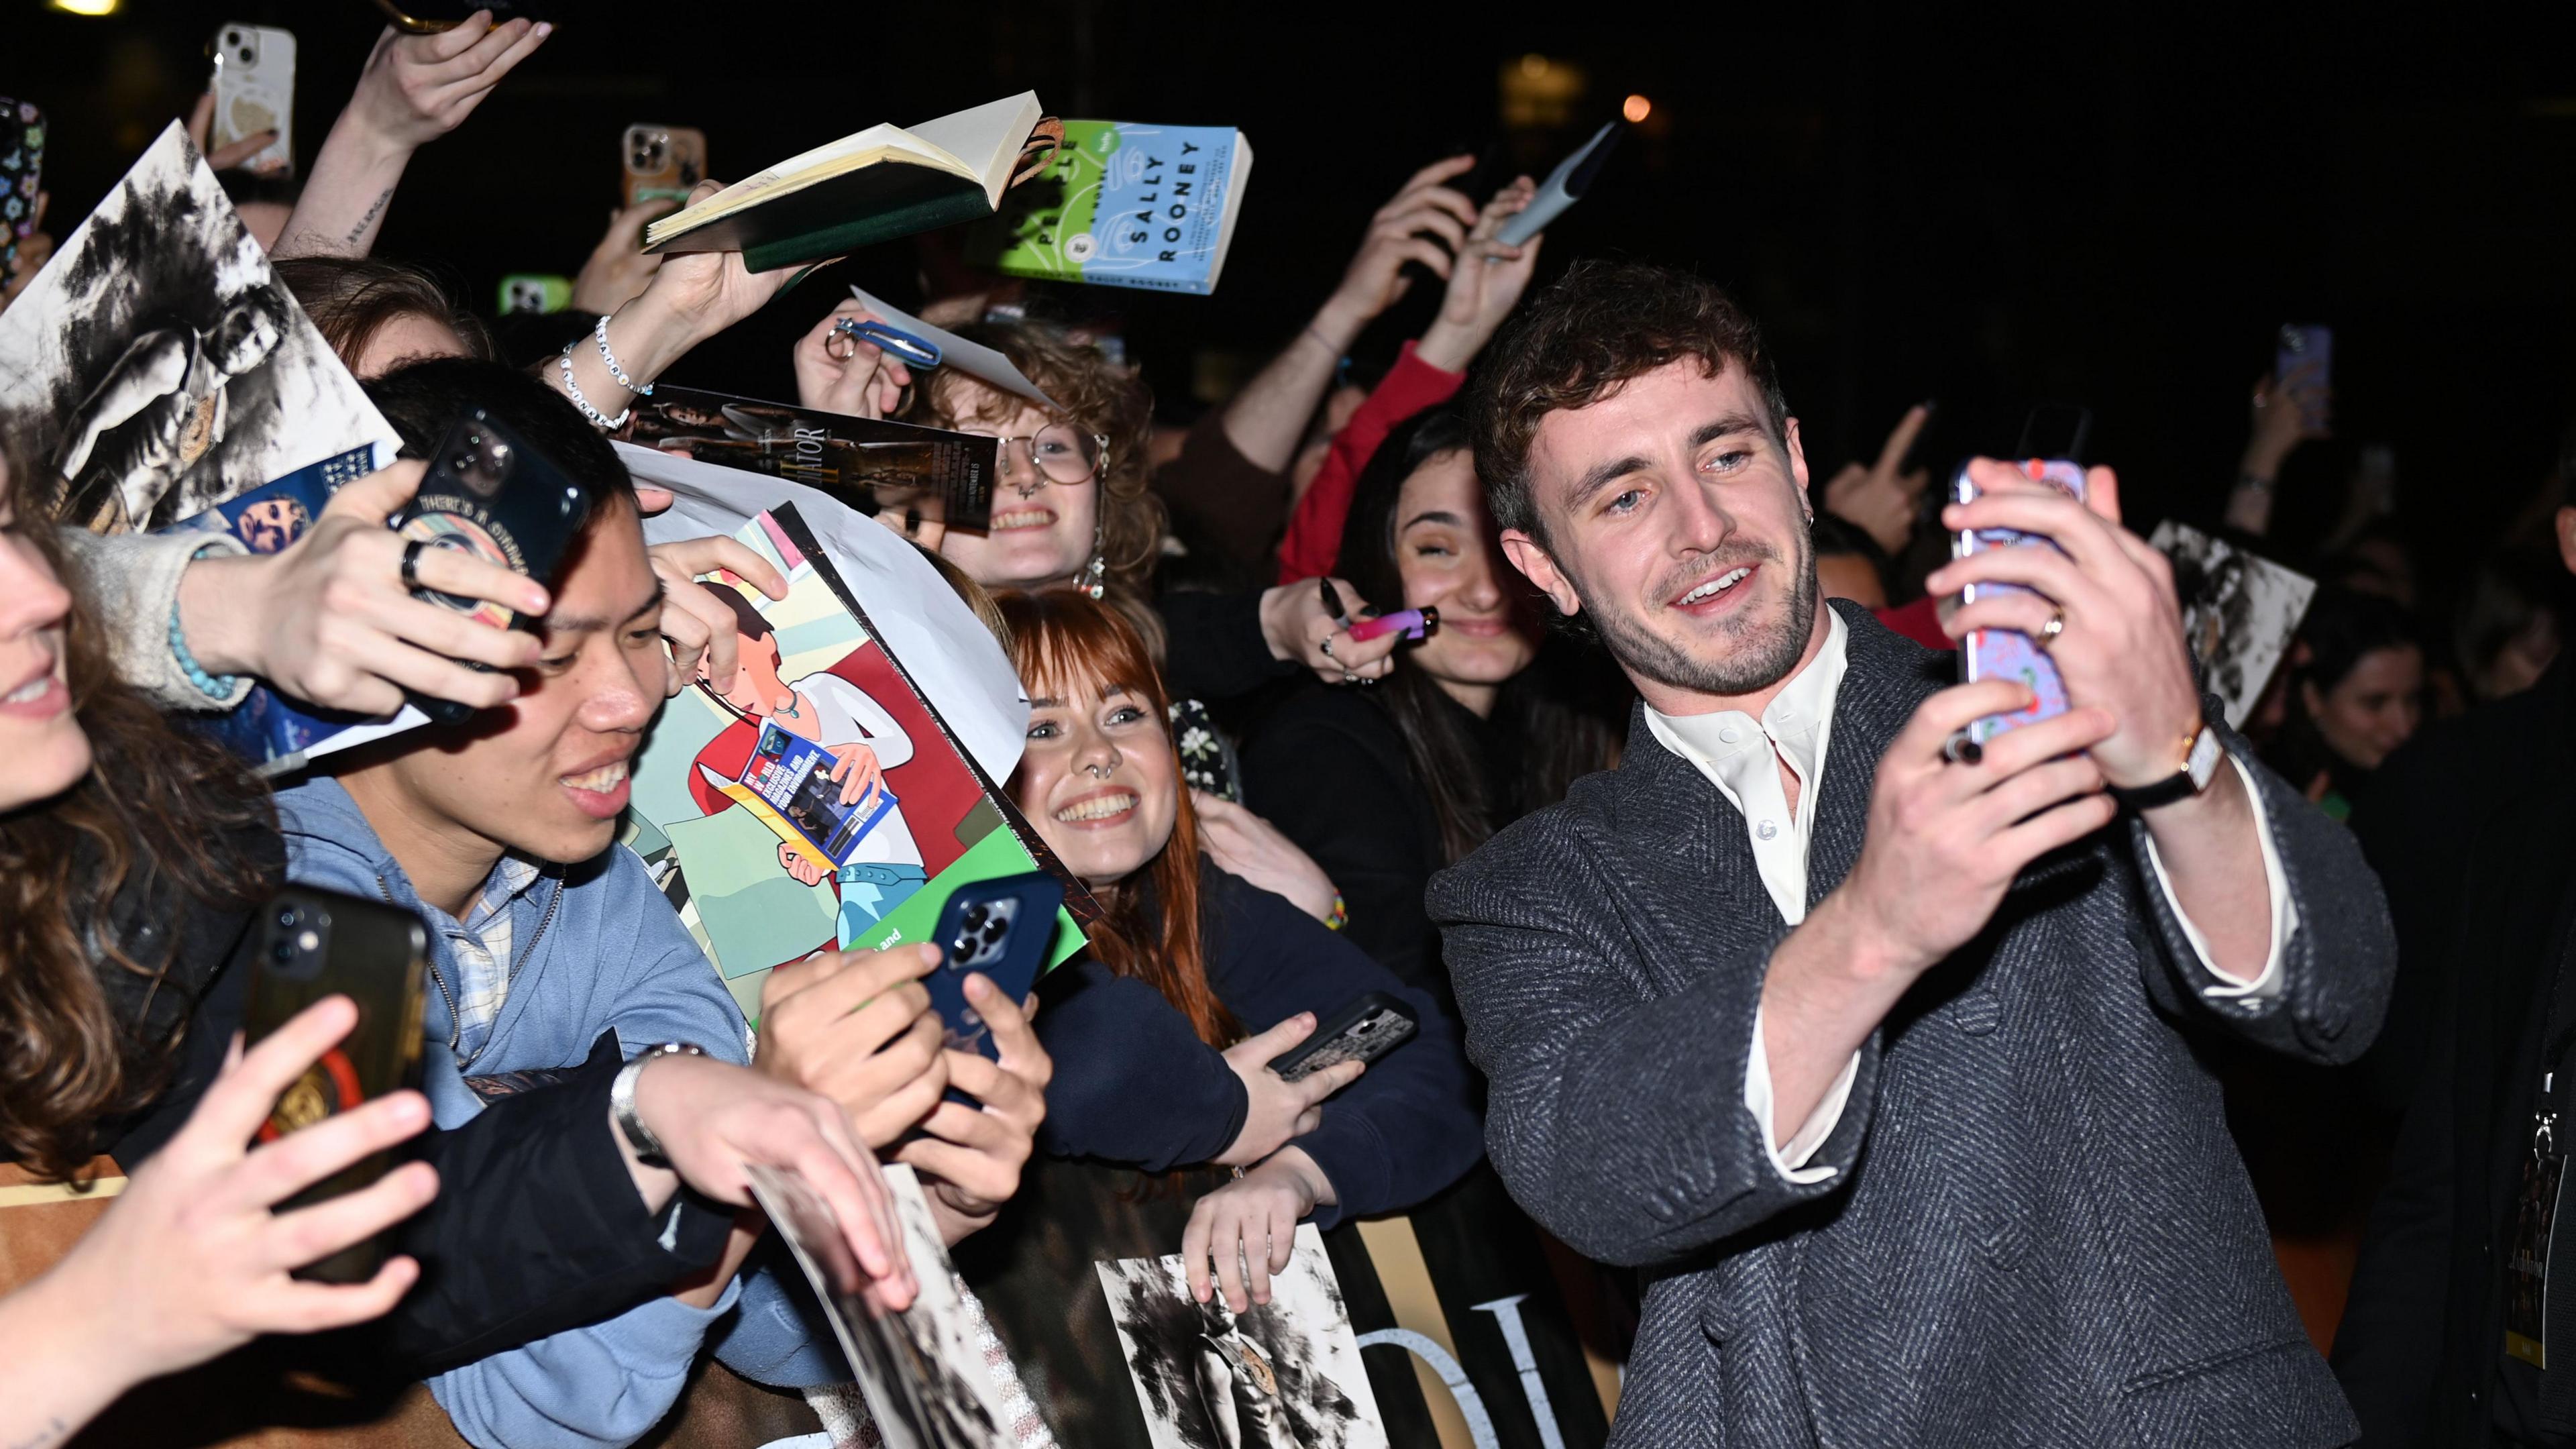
(881, 183)
(1125, 205)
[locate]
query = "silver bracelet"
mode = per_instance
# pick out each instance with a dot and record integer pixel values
(621, 1101)
(573, 389)
(599, 334)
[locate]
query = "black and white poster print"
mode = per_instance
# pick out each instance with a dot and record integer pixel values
(156, 367)
(924, 1372)
(1285, 1375)
(2239, 613)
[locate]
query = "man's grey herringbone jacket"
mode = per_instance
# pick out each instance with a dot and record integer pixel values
(2039, 1232)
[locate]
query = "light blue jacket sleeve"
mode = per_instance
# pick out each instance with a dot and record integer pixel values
(778, 1336)
(597, 1387)
(605, 1385)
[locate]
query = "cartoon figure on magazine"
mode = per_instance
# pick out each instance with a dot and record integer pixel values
(834, 712)
(160, 408)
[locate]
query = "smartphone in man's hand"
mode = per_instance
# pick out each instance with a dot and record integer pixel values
(2009, 653)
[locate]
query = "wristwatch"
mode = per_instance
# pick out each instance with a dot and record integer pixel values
(2201, 753)
(621, 1101)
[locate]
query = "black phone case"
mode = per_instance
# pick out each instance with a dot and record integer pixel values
(490, 495)
(1362, 1031)
(317, 943)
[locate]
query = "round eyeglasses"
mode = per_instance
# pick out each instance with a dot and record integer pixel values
(1058, 453)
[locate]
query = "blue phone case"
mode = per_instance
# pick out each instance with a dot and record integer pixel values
(998, 927)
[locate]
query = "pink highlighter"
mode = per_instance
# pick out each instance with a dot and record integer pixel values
(1414, 623)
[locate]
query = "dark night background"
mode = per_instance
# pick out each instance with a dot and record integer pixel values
(2115, 205)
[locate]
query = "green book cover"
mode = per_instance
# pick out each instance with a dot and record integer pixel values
(1124, 204)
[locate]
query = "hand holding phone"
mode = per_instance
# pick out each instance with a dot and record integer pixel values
(2006, 653)
(2303, 372)
(253, 91)
(493, 498)
(1362, 1031)
(663, 163)
(314, 944)
(1000, 929)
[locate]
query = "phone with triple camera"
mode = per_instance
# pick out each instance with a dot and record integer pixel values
(490, 496)
(254, 88)
(2009, 653)
(1000, 928)
(535, 292)
(22, 170)
(1362, 1031)
(315, 943)
(663, 163)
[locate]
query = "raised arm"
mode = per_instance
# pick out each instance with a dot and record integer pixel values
(414, 89)
(1427, 222)
(2261, 901)
(1482, 289)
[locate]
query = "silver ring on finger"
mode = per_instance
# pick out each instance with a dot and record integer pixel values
(842, 342)
(1327, 646)
(412, 551)
(2049, 631)
(1349, 678)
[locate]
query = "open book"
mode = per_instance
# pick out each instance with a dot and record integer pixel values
(884, 182)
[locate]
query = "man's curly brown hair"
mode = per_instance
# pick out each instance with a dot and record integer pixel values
(1098, 397)
(1584, 338)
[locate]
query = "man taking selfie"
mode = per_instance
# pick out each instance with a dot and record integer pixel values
(1872, 1050)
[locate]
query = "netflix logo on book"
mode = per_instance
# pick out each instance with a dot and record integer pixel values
(157, 365)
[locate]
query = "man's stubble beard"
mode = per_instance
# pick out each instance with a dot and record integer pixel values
(1758, 662)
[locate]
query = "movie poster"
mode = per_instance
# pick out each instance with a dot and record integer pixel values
(1281, 1375)
(747, 879)
(157, 367)
(923, 1371)
(2239, 613)
(870, 465)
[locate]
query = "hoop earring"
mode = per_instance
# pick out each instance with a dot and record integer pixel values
(1095, 574)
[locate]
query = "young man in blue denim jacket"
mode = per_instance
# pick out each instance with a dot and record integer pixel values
(548, 940)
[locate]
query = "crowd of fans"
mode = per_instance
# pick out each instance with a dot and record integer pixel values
(576, 1280)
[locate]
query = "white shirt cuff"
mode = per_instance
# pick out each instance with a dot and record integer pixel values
(1789, 1159)
(2285, 915)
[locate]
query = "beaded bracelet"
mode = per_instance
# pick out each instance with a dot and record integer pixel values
(1339, 916)
(573, 389)
(209, 685)
(599, 334)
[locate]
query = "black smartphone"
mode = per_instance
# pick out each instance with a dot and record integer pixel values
(2055, 430)
(315, 943)
(1001, 928)
(489, 495)
(429, 17)
(1362, 1031)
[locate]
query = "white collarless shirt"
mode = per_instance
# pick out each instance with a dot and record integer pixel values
(1742, 757)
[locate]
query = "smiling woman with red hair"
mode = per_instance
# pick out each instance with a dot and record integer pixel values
(1162, 1033)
